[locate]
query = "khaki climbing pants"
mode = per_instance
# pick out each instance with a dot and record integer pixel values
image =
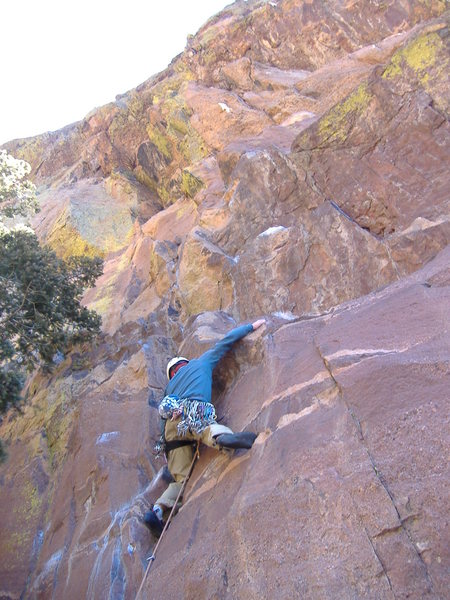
(180, 459)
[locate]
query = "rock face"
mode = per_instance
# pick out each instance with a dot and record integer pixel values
(292, 164)
(342, 494)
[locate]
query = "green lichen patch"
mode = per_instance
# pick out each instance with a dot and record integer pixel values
(105, 297)
(134, 112)
(181, 68)
(17, 545)
(102, 305)
(30, 505)
(438, 5)
(190, 184)
(66, 241)
(179, 124)
(164, 195)
(171, 132)
(92, 224)
(192, 147)
(186, 143)
(106, 293)
(145, 179)
(420, 56)
(160, 138)
(135, 106)
(208, 35)
(31, 149)
(58, 429)
(336, 124)
(121, 178)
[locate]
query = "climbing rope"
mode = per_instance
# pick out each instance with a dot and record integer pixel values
(180, 493)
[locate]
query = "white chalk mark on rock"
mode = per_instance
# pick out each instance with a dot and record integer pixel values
(286, 316)
(225, 107)
(272, 230)
(106, 437)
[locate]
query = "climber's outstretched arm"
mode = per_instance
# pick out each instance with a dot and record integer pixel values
(215, 354)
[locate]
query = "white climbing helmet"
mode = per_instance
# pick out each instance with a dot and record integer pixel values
(174, 361)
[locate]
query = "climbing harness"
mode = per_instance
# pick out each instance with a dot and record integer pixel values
(162, 446)
(152, 557)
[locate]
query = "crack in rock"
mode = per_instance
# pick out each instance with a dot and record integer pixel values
(378, 474)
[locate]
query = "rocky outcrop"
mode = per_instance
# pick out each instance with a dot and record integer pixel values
(292, 164)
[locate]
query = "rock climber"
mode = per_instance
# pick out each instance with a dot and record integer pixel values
(188, 416)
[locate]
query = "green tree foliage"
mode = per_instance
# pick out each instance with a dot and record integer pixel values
(40, 308)
(41, 316)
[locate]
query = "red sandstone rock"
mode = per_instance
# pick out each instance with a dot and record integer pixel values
(221, 116)
(173, 223)
(343, 494)
(204, 279)
(403, 110)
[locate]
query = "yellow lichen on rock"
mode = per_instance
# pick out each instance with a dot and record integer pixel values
(31, 502)
(170, 130)
(161, 141)
(134, 111)
(336, 124)
(190, 184)
(185, 142)
(440, 5)
(101, 305)
(119, 186)
(58, 427)
(419, 55)
(204, 278)
(146, 180)
(66, 241)
(102, 298)
(89, 220)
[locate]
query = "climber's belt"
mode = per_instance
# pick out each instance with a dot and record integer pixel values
(174, 444)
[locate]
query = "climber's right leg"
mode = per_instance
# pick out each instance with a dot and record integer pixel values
(220, 436)
(243, 439)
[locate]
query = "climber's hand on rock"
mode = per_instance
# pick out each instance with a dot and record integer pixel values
(258, 323)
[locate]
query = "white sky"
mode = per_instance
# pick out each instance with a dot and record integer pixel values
(61, 59)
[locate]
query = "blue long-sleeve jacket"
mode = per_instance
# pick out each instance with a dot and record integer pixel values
(194, 380)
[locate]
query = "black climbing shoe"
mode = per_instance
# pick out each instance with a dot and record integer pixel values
(244, 439)
(155, 525)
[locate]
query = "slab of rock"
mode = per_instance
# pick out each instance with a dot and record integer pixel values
(84, 219)
(343, 491)
(418, 243)
(327, 260)
(173, 223)
(350, 408)
(204, 281)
